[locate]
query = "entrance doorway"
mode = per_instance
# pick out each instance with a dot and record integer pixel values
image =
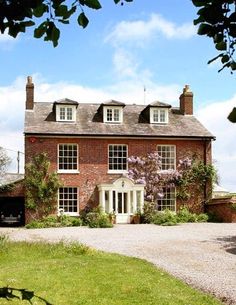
(122, 197)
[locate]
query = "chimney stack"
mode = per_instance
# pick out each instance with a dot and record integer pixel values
(29, 94)
(186, 101)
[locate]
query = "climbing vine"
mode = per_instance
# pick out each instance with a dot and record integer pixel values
(41, 186)
(197, 176)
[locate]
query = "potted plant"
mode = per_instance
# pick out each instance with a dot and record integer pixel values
(136, 219)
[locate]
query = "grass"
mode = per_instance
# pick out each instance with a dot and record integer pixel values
(73, 274)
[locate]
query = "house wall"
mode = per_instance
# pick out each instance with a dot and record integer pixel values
(93, 160)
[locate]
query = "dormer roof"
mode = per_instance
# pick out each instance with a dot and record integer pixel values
(159, 104)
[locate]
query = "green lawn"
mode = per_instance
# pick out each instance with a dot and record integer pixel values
(74, 274)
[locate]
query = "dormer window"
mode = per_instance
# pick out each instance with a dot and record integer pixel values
(65, 110)
(158, 115)
(65, 113)
(113, 114)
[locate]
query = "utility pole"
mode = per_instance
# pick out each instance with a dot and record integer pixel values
(144, 95)
(18, 162)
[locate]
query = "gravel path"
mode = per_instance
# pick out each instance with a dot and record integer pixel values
(203, 255)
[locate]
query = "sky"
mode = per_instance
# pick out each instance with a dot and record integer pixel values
(124, 49)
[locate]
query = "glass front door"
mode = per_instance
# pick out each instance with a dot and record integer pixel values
(122, 207)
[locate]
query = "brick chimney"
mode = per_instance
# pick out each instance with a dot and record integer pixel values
(29, 94)
(186, 101)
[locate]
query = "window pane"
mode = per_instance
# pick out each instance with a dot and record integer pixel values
(68, 199)
(117, 157)
(155, 115)
(68, 159)
(168, 201)
(167, 154)
(116, 115)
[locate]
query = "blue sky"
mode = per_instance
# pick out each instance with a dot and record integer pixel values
(123, 49)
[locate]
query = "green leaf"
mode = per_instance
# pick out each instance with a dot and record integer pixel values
(224, 59)
(221, 46)
(40, 30)
(204, 29)
(232, 116)
(198, 3)
(61, 10)
(233, 65)
(116, 1)
(83, 20)
(95, 4)
(198, 20)
(55, 35)
(39, 10)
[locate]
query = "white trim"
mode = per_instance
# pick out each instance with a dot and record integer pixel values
(66, 107)
(172, 191)
(58, 202)
(112, 108)
(121, 185)
(118, 171)
(169, 145)
(158, 110)
(65, 171)
(69, 171)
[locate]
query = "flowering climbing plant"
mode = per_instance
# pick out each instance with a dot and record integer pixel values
(147, 170)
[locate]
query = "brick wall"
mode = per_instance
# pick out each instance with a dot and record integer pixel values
(221, 209)
(93, 160)
(17, 190)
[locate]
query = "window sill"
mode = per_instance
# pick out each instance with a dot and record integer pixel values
(68, 172)
(117, 172)
(69, 214)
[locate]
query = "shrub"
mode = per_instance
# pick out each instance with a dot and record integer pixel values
(166, 217)
(169, 218)
(55, 222)
(98, 219)
(149, 212)
(202, 218)
(185, 216)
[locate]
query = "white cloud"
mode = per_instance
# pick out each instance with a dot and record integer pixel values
(7, 41)
(140, 31)
(214, 117)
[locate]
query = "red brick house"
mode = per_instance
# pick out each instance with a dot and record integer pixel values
(88, 146)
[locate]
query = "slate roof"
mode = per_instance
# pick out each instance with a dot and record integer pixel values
(9, 178)
(89, 122)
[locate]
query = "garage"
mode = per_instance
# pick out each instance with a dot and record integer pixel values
(12, 211)
(12, 200)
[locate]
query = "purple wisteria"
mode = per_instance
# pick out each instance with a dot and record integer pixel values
(147, 170)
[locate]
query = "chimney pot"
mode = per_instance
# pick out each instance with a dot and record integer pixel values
(29, 94)
(186, 101)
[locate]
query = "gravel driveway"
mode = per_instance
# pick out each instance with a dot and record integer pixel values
(203, 255)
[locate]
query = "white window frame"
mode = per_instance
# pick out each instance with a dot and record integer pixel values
(117, 171)
(58, 159)
(61, 210)
(156, 113)
(66, 107)
(113, 110)
(164, 165)
(168, 201)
